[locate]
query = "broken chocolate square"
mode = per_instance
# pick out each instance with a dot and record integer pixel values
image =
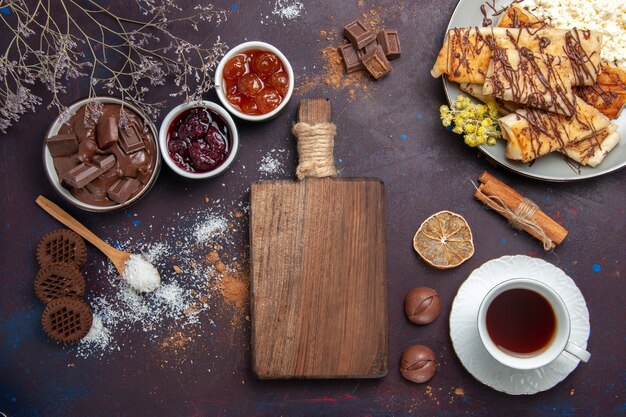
(357, 33)
(83, 174)
(367, 49)
(390, 42)
(123, 188)
(108, 132)
(376, 63)
(104, 162)
(351, 61)
(131, 139)
(62, 145)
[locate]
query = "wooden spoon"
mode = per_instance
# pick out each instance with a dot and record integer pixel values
(118, 257)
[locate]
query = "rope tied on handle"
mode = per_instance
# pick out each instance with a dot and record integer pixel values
(315, 149)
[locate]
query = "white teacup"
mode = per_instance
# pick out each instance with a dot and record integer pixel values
(557, 344)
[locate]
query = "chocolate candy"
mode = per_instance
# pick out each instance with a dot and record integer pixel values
(351, 61)
(62, 145)
(418, 364)
(421, 305)
(376, 63)
(84, 173)
(357, 33)
(130, 139)
(107, 132)
(123, 188)
(389, 41)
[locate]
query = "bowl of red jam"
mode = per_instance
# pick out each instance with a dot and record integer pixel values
(254, 81)
(198, 139)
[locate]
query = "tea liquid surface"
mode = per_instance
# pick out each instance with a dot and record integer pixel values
(521, 321)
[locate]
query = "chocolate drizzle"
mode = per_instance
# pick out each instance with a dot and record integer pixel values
(538, 80)
(582, 64)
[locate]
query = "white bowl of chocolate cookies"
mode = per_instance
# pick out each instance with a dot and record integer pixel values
(102, 155)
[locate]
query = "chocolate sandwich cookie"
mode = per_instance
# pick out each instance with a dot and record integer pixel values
(66, 319)
(57, 280)
(61, 245)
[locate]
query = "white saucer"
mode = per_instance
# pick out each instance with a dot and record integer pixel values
(464, 330)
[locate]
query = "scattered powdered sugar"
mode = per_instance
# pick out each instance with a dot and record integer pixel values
(193, 259)
(284, 10)
(210, 227)
(272, 163)
(98, 337)
(141, 274)
(288, 9)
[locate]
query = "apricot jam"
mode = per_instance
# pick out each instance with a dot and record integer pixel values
(255, 81)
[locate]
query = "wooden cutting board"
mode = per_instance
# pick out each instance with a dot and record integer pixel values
(318, 274)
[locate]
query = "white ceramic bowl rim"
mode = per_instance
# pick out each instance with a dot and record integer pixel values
(560, 340)
(237, 50)
(65, 193)
(169, 119)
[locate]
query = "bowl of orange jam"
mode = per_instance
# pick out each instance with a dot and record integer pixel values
(254, 81)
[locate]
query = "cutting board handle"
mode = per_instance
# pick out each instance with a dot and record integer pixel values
(315, 134)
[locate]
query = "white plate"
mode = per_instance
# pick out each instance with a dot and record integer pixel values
(470, 349)
(551, 167)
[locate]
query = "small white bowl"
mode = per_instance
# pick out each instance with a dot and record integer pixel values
(169, 119)
(221, 93)
(53, 176)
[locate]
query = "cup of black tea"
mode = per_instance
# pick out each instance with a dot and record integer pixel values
(524, 324)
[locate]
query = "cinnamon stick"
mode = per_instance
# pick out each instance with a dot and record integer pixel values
(494, 192)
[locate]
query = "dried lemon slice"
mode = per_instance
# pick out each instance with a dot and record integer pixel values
(444, 240)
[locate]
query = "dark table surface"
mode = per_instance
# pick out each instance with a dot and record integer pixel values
(388, 129)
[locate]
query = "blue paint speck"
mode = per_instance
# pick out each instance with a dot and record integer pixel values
(136, 222)
(450, 128)
(419, 116)
(504, 241)
(596, 268)
(403, 136)
(339, 162)
(13, 399)
(548, 197)
(233, 7)
(117, 245)
(129, 215)
(5, 10)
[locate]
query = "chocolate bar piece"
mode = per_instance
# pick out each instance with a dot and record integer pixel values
(368, 49)
(83, 174)
(390, 42)
(104, 162)
(351, 61)
(130, 139)
(357, 33)
(108, 132)
(62, 145)
(376, 63)
(123, 188)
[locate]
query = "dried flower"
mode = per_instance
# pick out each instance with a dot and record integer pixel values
(122, 55)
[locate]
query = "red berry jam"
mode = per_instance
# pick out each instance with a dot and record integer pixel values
(198, 140)
(255, 81)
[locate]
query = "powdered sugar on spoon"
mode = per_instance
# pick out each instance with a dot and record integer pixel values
(140, 274)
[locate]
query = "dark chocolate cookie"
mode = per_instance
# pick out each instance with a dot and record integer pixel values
(66, 319)
(59, 280)
(61, 245)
